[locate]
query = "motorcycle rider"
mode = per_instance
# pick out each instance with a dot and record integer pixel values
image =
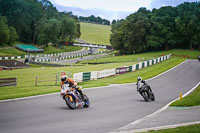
(139, 81)
(71, 83)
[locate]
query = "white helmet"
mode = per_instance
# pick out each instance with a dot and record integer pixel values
(63, 78)
(139, 78)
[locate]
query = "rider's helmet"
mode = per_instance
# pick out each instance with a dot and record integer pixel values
(63, 78)
(139, 78)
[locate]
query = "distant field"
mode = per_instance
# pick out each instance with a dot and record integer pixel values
(95, 33)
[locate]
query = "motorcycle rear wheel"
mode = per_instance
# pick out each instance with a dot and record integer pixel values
(86, 100)
(152, 97)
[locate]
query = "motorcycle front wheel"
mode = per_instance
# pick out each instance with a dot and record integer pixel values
(70, 101)
(145, 96)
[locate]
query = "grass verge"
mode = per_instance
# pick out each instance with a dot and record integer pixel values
(185, 129)
(144, 56)
(130, 77)
(193, 99)
(26, 77)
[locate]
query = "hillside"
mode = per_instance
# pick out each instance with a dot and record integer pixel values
(95, 33)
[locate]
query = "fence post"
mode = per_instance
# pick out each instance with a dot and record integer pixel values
(36, 80)
(56, 79)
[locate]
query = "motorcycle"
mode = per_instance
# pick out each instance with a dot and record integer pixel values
(73, 99)
(145, 90)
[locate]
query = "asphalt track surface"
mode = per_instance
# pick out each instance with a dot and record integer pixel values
(111, 107)
(75, 60)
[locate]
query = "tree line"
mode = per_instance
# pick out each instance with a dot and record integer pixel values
(35, 22)
(93, 19)
(164, 28)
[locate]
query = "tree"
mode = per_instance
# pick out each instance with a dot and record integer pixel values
(35, 21)
(130, 35)
(162, 32)
(164, 28)
(12, 35)
(68, 29)
(49, 33)
(187, 23)
(116, 38)
(114, 22)
(4, 30)
(94, 19)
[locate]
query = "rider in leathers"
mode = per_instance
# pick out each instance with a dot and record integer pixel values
(71, 83)
(139, 81)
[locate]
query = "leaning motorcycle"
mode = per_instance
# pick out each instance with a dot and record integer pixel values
(145, 90)
(73, 99)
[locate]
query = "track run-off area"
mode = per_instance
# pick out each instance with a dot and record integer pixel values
(111, 107)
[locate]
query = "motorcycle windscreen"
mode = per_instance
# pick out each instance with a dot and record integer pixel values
(65, 87)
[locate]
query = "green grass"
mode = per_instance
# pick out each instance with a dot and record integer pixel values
(143, 56)
(191, 53)
(192, 99)
(95, 33)
(11, 51)
(26, 77)
(7, 52)
(145, 73)
(185, 129)
(126, 58)
(51, 49)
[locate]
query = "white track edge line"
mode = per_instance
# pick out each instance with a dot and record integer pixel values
(24, 98)
(146, 80)
(8, 100)
(165, 127)
(158, 111)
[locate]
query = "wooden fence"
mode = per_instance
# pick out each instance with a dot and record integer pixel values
(49, 79)
(8, 82)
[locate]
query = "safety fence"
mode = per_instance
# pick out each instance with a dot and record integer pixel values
(59, 58)
(94, 75)
(93, 45)
(60, 55)
(39, 79)
(8, 82)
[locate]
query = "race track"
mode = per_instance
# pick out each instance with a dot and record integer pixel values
(111, 107)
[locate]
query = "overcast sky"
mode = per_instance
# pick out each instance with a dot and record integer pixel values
(111, 9)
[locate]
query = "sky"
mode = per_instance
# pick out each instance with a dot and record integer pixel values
(111, 9)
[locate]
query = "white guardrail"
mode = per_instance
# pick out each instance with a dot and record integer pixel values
(94, 75)
(47, 57)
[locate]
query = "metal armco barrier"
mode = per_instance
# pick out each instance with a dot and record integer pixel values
(130, 68)
(106, 73)
(122, 70)
(94, 75)
(86, 76)
(137, 66)
(78, 77)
